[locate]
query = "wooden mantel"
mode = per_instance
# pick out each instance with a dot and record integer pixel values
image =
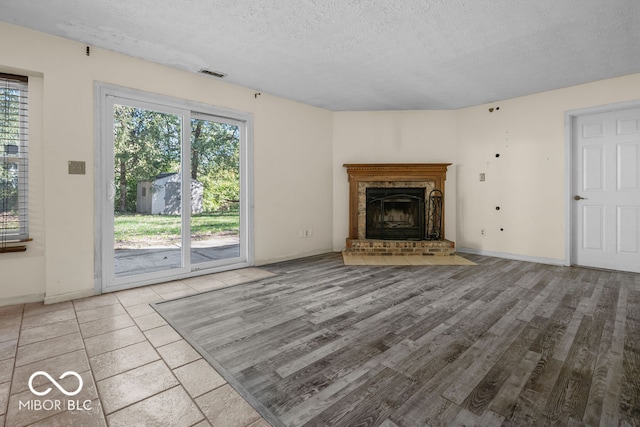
(389, 172)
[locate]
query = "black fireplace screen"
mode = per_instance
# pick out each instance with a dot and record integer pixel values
(395, 213)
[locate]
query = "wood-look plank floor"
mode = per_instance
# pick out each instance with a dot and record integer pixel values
(500, 343)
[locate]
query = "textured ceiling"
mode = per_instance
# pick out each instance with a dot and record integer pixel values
(363, 55)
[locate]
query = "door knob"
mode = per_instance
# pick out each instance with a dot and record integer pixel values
(576, 197)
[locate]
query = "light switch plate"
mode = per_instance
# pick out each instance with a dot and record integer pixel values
(77, 167)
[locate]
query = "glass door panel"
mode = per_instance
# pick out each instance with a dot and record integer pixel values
(173, 192)
(215, 190)
(147, 223)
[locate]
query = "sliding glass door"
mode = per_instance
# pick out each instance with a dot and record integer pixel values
(147, 214)
(215, 187)
(173, 196)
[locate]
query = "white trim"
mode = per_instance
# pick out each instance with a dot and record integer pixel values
(517, 257)
(568, 188)
(69, 296)
(164, 277)
(21, 159)
(246, 189)
(100, 178)
(569, 119)
(104, 95)
(23, 299)
(185, 190)
(167, 102)
(295, 256)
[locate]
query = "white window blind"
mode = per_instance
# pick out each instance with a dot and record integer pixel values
(14, 227)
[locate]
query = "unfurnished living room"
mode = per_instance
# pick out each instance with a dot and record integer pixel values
(317, 213)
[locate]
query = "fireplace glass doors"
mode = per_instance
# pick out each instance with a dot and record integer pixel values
(395, 213)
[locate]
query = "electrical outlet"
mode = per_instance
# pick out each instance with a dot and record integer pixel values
(482, 232)
(482, 177)
(306, 233)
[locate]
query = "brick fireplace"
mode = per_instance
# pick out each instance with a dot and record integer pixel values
(400, 184)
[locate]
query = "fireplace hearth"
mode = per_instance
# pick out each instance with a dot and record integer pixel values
(391, 209)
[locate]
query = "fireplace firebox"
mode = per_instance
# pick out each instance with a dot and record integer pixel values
(395, 213)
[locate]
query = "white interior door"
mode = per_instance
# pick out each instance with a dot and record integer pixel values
(606, 190)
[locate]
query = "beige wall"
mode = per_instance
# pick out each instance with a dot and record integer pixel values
(391, 137)
(299, 150)
(527, 181)
(292, 158)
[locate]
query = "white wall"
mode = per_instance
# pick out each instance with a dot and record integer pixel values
(391, 137)
(293, 181)
(298, 154)
(292, 159)
(527, 181)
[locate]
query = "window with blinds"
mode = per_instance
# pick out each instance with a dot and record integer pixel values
(14, 227)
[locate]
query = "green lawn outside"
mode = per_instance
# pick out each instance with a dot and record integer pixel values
(136, 227)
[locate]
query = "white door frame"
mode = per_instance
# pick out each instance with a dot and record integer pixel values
(104, 165)
(570, 206)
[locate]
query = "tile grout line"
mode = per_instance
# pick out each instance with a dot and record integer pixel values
(45, 339)
(226, 382)
(193, 398)
(164, 362)
(16, 358)
(84, 348)
(13, 371)
(104, 414)
(242, 396)
(119, 301)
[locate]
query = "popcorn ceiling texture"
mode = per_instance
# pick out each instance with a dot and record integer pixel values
(355, 55)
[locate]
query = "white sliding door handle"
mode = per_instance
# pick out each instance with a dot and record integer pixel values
(111, 191)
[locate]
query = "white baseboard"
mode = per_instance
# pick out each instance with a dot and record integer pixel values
(290, 257)
(539, 260)
(23, 299)
(69, 296)
(26, 299)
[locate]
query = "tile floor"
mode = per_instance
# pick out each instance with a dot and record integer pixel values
(135, 369)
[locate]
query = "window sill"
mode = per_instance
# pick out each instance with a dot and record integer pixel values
(12, 246)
